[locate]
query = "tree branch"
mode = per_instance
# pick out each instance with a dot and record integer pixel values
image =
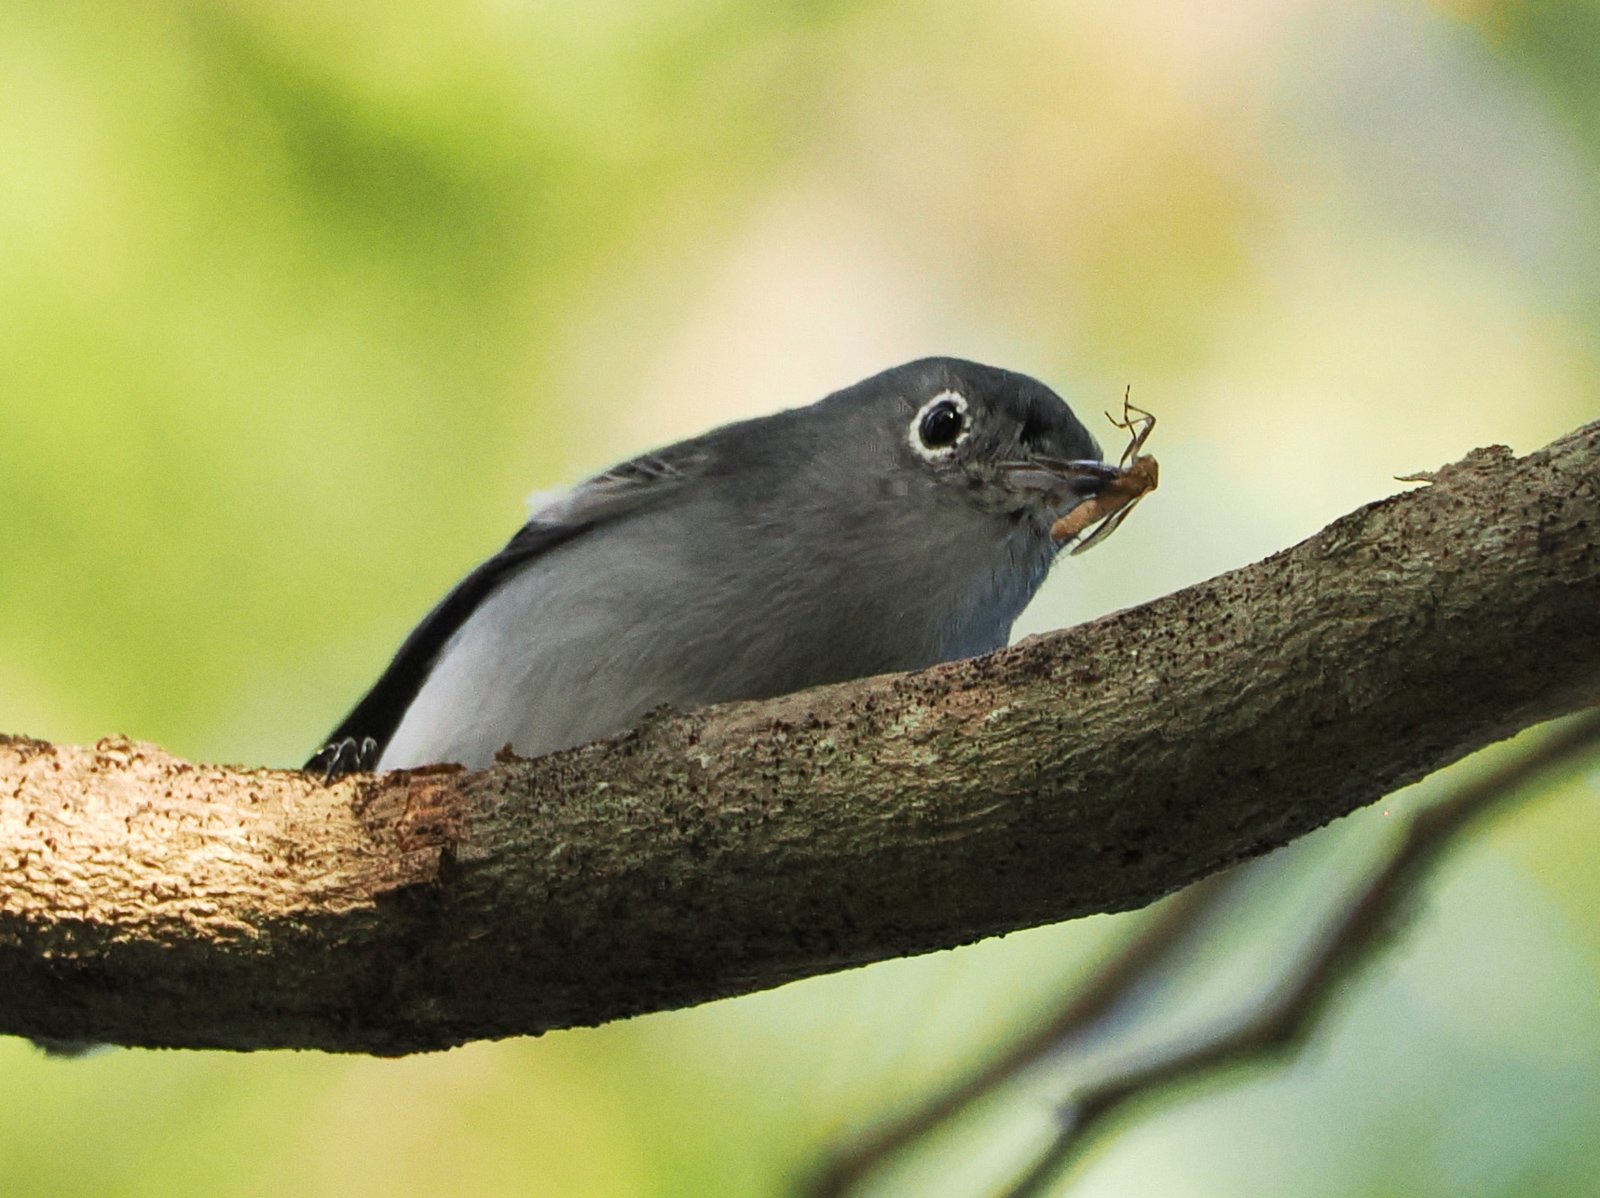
(1299, 1001)
(149, 901)
(1143, 955)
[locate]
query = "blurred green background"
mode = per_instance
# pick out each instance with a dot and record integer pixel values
(298, 302)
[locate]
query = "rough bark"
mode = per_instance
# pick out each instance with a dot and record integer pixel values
(147, 900)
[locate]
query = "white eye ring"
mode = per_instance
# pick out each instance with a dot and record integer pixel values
(940, 453)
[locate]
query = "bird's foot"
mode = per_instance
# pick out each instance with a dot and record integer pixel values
(341, 757)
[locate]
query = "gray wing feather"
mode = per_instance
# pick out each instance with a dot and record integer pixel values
(628, 487)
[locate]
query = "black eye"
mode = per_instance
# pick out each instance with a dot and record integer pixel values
(941, 424)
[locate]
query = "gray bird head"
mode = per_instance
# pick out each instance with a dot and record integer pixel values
(904, 520)
(974, 435)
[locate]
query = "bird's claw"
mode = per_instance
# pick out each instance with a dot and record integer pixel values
(341, 757)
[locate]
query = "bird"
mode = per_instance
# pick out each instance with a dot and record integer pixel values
(895, 524)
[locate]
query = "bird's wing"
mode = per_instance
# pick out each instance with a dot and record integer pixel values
(358, 742)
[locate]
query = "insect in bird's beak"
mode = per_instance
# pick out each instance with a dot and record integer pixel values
(1131, 479)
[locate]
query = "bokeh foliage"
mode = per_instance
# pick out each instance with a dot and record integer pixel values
(299, 301)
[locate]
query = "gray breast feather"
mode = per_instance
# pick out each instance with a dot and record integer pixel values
(589, 636)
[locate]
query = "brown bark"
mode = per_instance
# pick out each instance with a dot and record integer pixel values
(146, 900)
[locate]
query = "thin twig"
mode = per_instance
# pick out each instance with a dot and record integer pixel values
(1287, 1017)
(1146, 952)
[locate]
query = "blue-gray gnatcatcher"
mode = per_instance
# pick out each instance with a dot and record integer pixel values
(898, 523)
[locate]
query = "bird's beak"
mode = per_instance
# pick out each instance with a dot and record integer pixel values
(1060, 482)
